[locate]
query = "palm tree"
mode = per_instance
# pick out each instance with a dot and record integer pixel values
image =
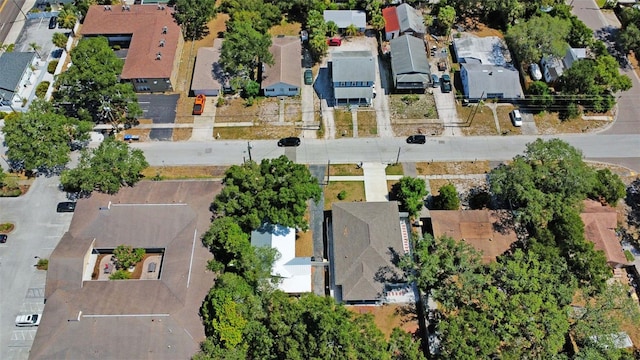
(351, 30)
(35, 47)
(59, 40)
(67, 18)
(332, 28)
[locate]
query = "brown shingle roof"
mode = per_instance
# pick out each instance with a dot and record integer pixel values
(365, 237)
(145, 23)
(287, 62)
(600, 223)
(475, 227)
(155, 319)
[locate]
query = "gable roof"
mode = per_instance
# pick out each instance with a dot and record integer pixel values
(12, 67)
(145, 23)
(477, 228)
(410, 19)
(366, 236)
(573, 55)
(409, 59)
(207, 72)
(104, 319)
(344, 18)
(353, 66)
(489, 50)
(390, 16)
(294, 272)
(287, 63)
(600, 223)
(484, 80)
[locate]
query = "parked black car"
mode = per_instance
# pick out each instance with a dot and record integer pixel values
(3, 238)
(53, 22)
(289, 141)
(416, 139)
(66, 206)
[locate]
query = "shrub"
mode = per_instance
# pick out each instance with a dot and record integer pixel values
(6, 227)
(342, 195)
(629, 255)
(126, 256)
(2, 115)
(120, 275)
(220, 101)
(41, 89)
(409, 99)
(447, 199)
(51, 67)
(43, 264)
(608, 186)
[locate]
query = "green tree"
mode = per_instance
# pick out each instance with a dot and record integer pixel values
(630, 38)
(193, 16)
(3, 177)
(227, 242)
(508, 11)
(446, 18)
(275, 192)
(332, 28)
(59, 40)
(410, 192)
(540, 96)
(126, 256)
(403, 347)
(608, 186)
(541, 35)
(106, 168)
(91, 90)
(41, 138)
(447, 198)
(244, 48)
(251, 89)
(67, 17)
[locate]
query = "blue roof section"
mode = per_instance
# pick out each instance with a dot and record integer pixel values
(12, 67)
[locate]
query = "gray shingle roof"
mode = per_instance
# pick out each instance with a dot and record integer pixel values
(208, 73)
(409, 60)
(287, 62)
(12, 67)
(365, 236)
(410, 19)
(482, 81)
(353, 66)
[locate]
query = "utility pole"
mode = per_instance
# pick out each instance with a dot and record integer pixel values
(249, 150)
(398, 157)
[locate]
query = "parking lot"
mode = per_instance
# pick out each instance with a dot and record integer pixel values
(37, 31)
(161, 109)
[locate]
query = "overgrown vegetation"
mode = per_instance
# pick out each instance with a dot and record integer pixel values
(41, 89)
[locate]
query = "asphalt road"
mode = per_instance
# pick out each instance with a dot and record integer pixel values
(621, 149)
(9, 10)
(604, 25)
(38, 230)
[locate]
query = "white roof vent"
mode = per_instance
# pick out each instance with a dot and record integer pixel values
(164, 29)
(159, 56)
(162, 42)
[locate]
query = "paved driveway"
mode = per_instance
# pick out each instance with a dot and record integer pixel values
(161, 109)
(38, 230)
(37, 31)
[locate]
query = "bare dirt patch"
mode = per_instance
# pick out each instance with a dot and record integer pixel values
(343, 122)
(304, 240)
(388, 317)
(260, 131)
(463, 186)
(478, 120)
(354, 191)
(453, 168)
(292, 110)
(506, 127)
(414, 114)
(182, 134)
(345, 170)
(550, 123)
(286, 28)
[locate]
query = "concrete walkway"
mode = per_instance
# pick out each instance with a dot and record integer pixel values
(375, 182)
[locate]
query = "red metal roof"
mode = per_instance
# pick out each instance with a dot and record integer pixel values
(390, 19)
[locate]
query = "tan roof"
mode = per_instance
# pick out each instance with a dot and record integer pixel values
(287, 62)
(155, 319)
(145, 23)
(478, 228)
(207, 72)
(600, 223)
(366, 237)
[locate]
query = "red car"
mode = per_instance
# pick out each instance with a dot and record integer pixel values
(334, 42)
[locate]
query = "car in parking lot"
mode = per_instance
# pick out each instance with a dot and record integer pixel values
(28, 320)
(516, 118)
(416, 139)
(308, 77)
(67, 206)
(53, 22)
(334, 42)
(289, 141)
(3, 238)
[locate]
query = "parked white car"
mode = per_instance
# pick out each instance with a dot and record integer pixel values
(516, 118)
(535, 72)
(28, 320)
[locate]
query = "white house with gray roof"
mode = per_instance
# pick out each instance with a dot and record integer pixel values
(409, 64)
(480, 81)
(345, 18)
(284, 77)
(15, 74)
(353, 76)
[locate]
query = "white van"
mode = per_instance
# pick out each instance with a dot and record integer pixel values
(516, 118)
